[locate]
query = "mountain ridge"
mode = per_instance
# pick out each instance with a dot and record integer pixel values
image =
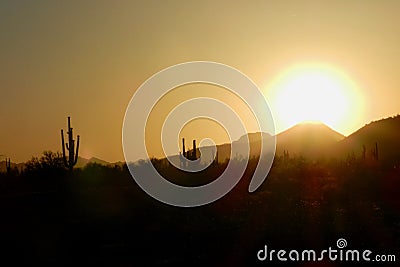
(317, 140)
(312, 140)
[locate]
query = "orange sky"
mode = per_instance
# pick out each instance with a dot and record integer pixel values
(86, 59)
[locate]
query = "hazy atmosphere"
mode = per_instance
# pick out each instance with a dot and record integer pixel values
(209, 133)
(86, 59)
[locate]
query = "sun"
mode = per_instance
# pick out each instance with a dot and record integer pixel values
(316, 93)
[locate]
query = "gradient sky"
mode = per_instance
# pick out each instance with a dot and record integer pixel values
(85, 59)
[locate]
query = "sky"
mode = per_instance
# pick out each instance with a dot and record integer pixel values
(85, 59)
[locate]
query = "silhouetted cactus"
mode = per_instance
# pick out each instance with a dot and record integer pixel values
(194, 155)
(72, 155)
(190, 154)
(8, 165)
(183, 147)
(375, 152)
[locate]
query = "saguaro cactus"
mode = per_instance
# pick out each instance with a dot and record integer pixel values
(190, 154)
(8, 165)
(364, 151)
(183, 147)
(72, 155)
(375, 151)
(194, 155)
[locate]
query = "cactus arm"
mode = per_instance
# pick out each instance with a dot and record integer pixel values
(8, 164)
(77, 150)
(63, 148)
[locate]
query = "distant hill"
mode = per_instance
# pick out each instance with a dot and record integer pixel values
(82, 162)
(316, 140)
(385, 132)
(254, 137)
(224, 150)
(311, 140)
(308, 139)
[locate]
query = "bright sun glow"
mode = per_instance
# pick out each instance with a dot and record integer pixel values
(315, 93)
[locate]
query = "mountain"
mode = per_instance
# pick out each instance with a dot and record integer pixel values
(254, 137)
(384, 133)
(311, 140)
(224, 150)
(82, 162)
(316, 140)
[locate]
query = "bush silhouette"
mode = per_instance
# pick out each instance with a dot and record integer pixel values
(98, 214)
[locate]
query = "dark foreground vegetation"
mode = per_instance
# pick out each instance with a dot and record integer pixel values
(97, 215)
